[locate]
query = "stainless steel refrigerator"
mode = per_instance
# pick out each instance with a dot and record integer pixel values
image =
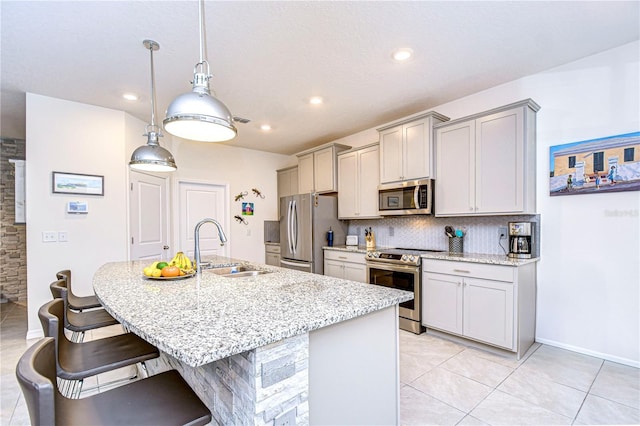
(305, 220)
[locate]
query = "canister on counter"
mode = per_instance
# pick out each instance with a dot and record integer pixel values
(330, 237)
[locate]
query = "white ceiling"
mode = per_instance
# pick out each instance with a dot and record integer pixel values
(268, 58)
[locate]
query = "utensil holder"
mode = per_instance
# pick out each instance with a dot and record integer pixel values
(456, 245)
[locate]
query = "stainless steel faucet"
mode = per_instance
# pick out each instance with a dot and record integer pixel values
(196, 237)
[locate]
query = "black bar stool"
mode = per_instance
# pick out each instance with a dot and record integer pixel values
(77, 303)
(163, 399)
(77, 361)
(79, 322)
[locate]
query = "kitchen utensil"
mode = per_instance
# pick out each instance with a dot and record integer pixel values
(459, 233)
(449, 232)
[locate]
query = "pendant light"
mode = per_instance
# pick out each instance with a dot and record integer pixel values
(152, 157)
(197, 115)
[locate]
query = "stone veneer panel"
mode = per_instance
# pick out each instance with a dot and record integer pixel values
(13, 249)
(269, 382)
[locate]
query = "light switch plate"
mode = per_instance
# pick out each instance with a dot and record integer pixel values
(49, 237)
(63, 236)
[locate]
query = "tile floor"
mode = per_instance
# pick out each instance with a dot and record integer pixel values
(442, 383)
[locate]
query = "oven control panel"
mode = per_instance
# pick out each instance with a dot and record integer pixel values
(393, 257)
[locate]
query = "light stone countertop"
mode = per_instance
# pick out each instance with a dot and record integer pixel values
(207, 317)
(494, 259)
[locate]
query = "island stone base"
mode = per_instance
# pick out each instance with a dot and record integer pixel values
(254, 387)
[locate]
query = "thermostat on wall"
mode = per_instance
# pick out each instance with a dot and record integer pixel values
(77, 207)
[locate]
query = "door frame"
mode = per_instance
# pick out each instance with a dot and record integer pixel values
(226, 223)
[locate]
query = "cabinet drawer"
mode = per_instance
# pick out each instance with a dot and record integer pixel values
(270, 248)
(469, 269)
(344, 256)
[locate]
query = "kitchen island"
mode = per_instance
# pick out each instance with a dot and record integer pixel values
(282, 347)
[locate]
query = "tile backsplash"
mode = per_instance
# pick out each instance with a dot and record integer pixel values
(427, 232)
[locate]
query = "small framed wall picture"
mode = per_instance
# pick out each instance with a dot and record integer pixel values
(247, 209)
(73, 183)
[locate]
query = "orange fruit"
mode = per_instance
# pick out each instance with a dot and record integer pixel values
(170, 271)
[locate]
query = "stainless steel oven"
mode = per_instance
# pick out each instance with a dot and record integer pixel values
(400, 269)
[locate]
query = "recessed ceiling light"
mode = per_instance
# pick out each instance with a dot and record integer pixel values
(402, 55)
(265, 127)
(315, 100)
(130, 96)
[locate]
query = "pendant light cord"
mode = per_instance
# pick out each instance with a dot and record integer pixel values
(153, 91)
(201, 13)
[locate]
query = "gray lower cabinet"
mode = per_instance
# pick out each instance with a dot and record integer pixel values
(272, 254)
(345, 265)
(491, 304)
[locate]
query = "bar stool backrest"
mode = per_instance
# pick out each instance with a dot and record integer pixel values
(51, 315)
(36, 373)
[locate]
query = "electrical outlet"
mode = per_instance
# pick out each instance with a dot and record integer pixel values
(286, 419)
(391, 231)
(502, 232)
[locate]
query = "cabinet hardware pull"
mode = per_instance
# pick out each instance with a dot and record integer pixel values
(461, 270)
(341, 257)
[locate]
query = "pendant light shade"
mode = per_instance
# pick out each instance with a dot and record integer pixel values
(152, 157)
(198, 115)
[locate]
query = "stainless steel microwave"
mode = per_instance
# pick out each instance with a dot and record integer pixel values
(409, 197)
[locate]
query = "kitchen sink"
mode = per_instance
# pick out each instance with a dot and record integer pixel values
(238, 271)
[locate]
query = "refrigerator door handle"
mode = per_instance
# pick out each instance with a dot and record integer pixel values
(295, 227)
(289, 227)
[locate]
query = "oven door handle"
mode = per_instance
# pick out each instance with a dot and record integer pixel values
(392, 267)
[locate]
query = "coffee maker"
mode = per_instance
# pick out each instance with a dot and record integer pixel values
(521, 239)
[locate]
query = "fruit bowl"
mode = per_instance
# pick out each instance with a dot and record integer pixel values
(179, 277)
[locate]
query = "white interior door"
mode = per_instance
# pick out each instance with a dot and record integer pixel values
(148, 225)
(197, 201)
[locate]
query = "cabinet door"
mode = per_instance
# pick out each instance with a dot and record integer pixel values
(488, 311)
(284, 183)
(305, 173)
(348, 185)
(355, 272)
(455, 153)
(500, 162)
(333, 268)
(391, 155)
(416, 150)
(369, 176)
(293, 181)
(272, 259)
(442, 302)
(324, 170)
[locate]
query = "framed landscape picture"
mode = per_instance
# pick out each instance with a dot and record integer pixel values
(608, 164)
(73, 183)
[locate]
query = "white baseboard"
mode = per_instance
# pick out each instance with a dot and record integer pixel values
(608, 357)
(35, 334)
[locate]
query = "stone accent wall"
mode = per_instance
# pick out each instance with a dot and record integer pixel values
(265, 386)
(13, 246)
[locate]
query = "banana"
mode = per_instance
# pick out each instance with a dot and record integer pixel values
(183, 262)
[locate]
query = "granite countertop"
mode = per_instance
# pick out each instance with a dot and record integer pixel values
(356, 249)
(494, 259)
(207, 317)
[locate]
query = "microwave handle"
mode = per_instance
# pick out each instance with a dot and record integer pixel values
(416, 196)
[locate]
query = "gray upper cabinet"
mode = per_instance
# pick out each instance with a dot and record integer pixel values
(318, 170)
(287, 181)
(406, 148)
(358, 183)
(487, 162)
